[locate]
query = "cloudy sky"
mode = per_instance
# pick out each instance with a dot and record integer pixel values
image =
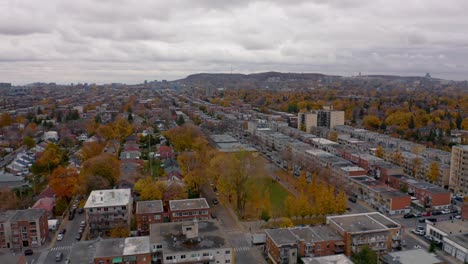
(134, 40)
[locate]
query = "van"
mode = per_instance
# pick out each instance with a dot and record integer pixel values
(352, 199)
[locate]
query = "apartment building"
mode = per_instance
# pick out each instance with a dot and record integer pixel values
(287, 244)
(374, 230)
(189, 210)
(23, 228)
(190, 242)
(320, 118)
(107, 209)
(459, 169)
(148, 212)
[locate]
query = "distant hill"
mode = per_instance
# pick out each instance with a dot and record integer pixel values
(281, 80)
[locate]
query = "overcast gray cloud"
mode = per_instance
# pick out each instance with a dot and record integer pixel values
(131, 41)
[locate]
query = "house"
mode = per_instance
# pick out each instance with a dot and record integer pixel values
(107, 209)
(374, 230)
(23, 228)
(148, 212)
(190, 242)
(165, 152)
(189, 210)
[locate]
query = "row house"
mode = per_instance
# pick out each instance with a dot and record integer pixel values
(429, 195)
(23, 228)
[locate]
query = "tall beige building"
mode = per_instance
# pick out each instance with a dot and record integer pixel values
(320, 118)
(459, 169)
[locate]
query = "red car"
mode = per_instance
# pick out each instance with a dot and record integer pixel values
(426, 214)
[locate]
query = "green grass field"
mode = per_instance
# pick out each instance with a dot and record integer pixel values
(277, 193)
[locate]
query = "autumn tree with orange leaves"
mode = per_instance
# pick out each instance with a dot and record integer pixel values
(63, 181)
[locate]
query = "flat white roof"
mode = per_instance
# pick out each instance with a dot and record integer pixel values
(106, 198)
(136, 245)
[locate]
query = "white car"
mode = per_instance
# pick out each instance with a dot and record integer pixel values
(418, 232)
(446, 211)
(59, 237)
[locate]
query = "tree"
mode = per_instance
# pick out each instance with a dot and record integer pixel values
(63, 181)
(183, 137)
(365, 256)
(290, 206)
(104, 165)
(333, 136)
(415, 166)
(433, 173)
(302, 206)
(341, 202)
(120, 231)
(398, 157)
(371, 122)
(379, 152)
(49, 160)
(29, 142)
(180, 120)
(9, 200)
(302, 182)
(90, 150)
(150, 189)
(5, 119)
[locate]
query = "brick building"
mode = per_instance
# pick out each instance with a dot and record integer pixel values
(130, 250)
(287, 244)
(23, 228)
(148, 212)
(374, 230)
(189, 210)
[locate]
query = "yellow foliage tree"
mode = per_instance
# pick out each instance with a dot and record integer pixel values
(150, 189)
(433, 173)
(341, 203)
(379, 152)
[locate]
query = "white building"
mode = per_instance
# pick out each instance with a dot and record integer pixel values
(107, 209)
(190, 242)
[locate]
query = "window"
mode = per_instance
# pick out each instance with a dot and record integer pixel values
(106, 209)
(227, 261)
(169, 258)
(228, 252)
(157, 217)
(124, 207)
(188, 229)
(158, 246)
(205, 254)
(182, 256)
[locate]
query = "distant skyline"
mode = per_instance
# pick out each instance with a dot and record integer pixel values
(132, 41)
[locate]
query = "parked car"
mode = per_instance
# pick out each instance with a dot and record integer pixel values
(426, 214)
(58, 257)
(418, 232)
(78, 236)
(409, 215)
(421, 228)
(457, 217)
(352, 199)
(63, 231)
(59, 237)
(28, 252)
(428, 237)
(83, 224)
(80, 210)
(446, 211)
(215, 201)
(436, 212)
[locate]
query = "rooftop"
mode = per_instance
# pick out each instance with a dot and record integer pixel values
(28, 214)
(83, 252)
(412, 256)
(365, 222)
(333, 259)
(454, 227)
(106, 198)
(281, 236)
(460, 239)
(188, 204)
(136, 245)
(210, 236)
(149, 207)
